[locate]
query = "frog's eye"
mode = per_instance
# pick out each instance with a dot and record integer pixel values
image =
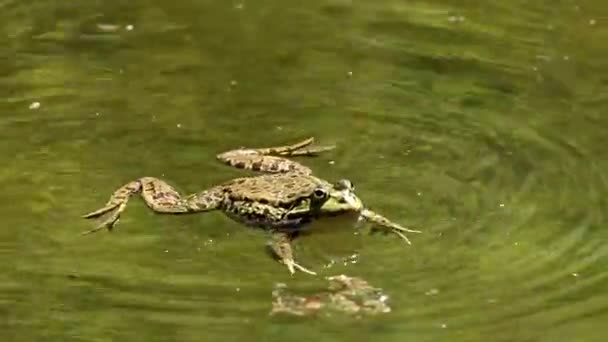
(319, 193)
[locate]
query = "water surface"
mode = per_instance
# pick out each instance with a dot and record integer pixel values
(482, 124)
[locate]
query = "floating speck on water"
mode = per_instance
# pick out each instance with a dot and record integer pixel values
(575, 274)
(331, 162)
(516, 243)
(566, 58)
(419, 193)
(543, 58)
(239, 6)
(97, 114)
(233, 83)
(179, 125)
(35, 105)
(455, 18)
(329, 264)
(501, 205)
(350, 74)
(166, 251)
(432, 292)
(443, 326)
(129, 27)
(592, 22)
(107, 27)
(238, 289)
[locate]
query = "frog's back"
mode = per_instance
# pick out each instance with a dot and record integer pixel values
(272, 188)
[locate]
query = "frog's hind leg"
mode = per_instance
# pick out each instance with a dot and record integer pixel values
(273, 159)
(158, 195)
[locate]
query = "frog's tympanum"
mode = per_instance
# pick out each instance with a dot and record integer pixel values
(283, 200)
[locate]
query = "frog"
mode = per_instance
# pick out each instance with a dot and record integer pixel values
(282, 199)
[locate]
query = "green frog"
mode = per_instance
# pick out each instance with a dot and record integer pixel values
(284, 200)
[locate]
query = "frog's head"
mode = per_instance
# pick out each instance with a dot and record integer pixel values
(330, 200)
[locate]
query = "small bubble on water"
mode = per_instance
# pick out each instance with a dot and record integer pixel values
(350, 74)
(501, 205)
(566, 57)
(179, 125)
(34, 105)
(443, 326)
(575, 274)
(238, 289)
(166, 251)
(239, 6)
(331, 162)
(129, 27)
(592, 22)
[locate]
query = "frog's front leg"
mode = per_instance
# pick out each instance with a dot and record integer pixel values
(159, 196)
(272, 159)
(281, 246)
(387, 225)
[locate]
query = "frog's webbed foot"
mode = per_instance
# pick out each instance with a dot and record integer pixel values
(273, 159)
(108, 223)
(116, 205)
(387, 225)
(301, 148)
(292, 266)
(281, 246)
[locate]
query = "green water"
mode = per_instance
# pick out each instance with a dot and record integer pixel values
(481, 123)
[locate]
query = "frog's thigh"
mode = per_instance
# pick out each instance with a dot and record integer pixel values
(162, 197)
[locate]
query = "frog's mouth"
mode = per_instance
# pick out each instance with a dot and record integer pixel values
(352, 200)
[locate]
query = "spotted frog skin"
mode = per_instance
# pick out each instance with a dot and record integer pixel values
(283, 200)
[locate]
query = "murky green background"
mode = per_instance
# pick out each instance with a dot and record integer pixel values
(483, 123)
